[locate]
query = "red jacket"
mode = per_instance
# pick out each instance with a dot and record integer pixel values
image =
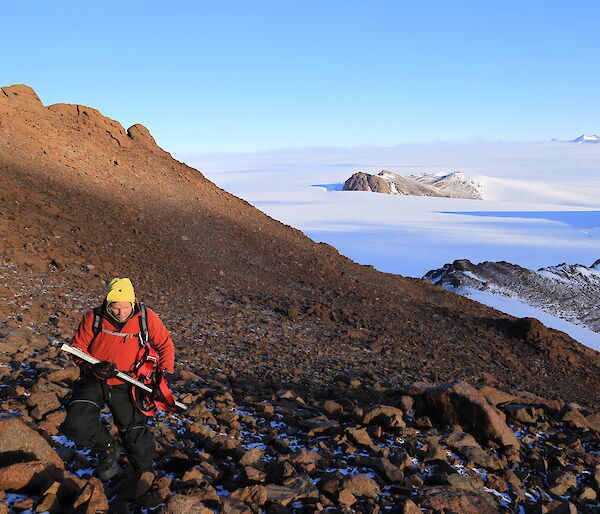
(124, 350)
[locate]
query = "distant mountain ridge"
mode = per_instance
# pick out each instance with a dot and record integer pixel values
(587, 139)
(568, 291)
(448, 185)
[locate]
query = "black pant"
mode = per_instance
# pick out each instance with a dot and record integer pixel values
(83, 425)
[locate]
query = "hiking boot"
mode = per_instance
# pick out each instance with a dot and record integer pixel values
(108, 460)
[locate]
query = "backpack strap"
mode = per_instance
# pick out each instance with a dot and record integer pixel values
(144, 335)
(97, 321)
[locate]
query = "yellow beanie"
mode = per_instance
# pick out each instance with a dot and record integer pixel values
(120, 290)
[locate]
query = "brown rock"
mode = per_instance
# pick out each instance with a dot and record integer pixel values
(181, 504)
(26, 504)
(256, 494)
(329, 486)
(435, 451)
(143, 484)
(200, 413)
(41, 403)
(187, 376)
(495, 396)
(57, 417)
(35, 474)
(455, 500)
(303, 486)
(588, 494)
(280, 494)
(252, 457)
(596, 480)
(333, 408)
(18, 442)
(360, 436)
(410, 507)
(154, 497)
(233, 506)
(304, 457)
(49, 503)
(575, 418)
(465, 482)
(385, 415)
(468, 447)
(594, 420)
(562, 481)
(346, 498)
(362, 486)
(560, 507)
(91, 499)
(459, 403)
(66, 375)
(519, 412)
(254, 475)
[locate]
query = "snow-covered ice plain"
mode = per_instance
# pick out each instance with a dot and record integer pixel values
(541, 203)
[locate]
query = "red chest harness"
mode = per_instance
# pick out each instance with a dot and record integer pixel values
(146, 369)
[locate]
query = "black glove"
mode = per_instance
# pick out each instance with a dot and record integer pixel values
(169, 377)
(158, 393)
(102, 370)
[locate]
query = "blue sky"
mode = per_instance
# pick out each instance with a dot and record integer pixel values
(245, 76)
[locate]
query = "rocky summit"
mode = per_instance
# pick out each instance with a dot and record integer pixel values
(448, 185)
(312, 383)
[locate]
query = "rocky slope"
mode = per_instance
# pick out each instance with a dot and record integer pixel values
(450, 185)
(256, 310)
(247, 447)
(569, 291)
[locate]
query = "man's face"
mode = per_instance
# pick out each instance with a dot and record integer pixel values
(121, 310)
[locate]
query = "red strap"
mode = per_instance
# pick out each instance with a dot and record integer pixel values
(146, 371)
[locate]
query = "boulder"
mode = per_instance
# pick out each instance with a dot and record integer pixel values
(459, 403)
(19, 443)
(34, 474)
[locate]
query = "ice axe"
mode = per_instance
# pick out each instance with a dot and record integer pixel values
(65, 347)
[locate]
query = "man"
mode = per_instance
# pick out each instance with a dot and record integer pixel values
(111, 333)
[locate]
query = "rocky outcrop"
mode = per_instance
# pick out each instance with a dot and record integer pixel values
(451, 185)
(365, 182)
(568, 291)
